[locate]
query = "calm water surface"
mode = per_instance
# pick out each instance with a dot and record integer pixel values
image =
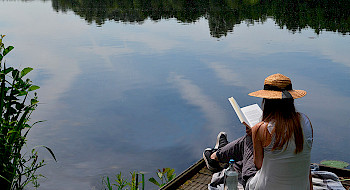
(126, 88)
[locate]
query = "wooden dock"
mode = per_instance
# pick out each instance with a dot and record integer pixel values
(197, 177)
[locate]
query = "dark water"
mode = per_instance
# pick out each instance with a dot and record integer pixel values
(141, 85)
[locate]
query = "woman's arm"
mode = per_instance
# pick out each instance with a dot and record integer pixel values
(257, 138)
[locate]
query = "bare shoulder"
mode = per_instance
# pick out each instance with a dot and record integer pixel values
(260, 132)
(259, 127)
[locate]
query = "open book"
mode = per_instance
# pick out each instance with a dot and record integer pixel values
(249, 115)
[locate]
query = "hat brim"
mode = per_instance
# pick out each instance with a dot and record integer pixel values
(270, 94)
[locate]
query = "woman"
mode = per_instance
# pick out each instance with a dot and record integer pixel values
(275, 153)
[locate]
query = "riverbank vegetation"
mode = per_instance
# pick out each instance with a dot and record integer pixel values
(18, 99)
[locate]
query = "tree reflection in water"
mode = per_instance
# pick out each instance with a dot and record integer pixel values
(222, 15)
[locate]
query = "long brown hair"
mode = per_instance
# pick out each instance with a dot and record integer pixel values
(287, 122)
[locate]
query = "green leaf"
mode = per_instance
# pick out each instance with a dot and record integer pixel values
(15, 74)
(52, 154)
(50, 151)
(26, 71)
(172, 177)
(154, 181)
(7, 70)
(108, 183)
(160, 175)
(143, 180)
(19, 106)
(165, 170)
(5, 179)
(38, 122)
(34, 101)
(335, 163)
(22, 93)
(33, 87)
(12, 131)
(170, 174)
(7, 50)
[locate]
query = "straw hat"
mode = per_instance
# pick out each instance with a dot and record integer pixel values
(278, 86)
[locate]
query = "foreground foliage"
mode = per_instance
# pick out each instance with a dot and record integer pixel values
(165, 175)
(120, 183)
(18, 100)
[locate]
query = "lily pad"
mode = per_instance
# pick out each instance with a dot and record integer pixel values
(335, 163)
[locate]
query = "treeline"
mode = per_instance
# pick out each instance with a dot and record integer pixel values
(222, 15)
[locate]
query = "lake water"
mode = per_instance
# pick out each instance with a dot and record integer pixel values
(141, 85)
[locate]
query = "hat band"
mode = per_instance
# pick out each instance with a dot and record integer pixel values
(276, 88)
(285, 93)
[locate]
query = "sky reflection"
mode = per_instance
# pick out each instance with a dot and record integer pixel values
(126, 97)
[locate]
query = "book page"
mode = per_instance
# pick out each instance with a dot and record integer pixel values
(253, 113)
(238, 111)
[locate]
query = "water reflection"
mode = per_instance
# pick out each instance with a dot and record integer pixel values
(222, 15)
(144, 95)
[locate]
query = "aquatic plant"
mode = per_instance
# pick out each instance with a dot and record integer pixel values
(18, 100)
(121, 183)
(134, 184)
(165, 175)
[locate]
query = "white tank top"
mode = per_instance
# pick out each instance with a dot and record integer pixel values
(282, 169)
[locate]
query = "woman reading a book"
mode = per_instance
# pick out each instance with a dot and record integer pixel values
(275, 153)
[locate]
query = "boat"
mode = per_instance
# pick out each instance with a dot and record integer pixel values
(198, 177)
